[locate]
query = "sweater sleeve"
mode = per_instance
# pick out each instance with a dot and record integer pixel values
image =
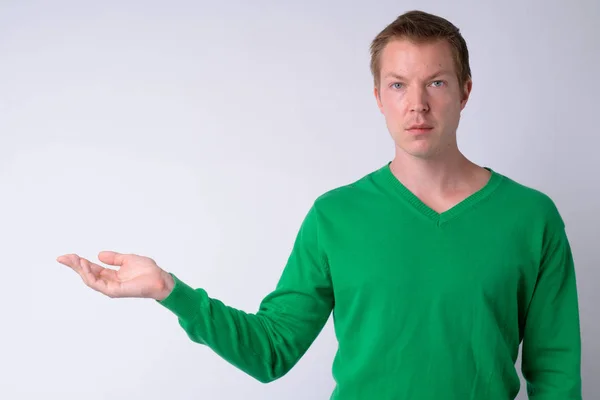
(551, 353)
(268, 343)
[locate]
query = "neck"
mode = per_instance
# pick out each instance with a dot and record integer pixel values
(444, 174)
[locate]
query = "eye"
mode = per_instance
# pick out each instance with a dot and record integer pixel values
(396, 85)
(437, 83)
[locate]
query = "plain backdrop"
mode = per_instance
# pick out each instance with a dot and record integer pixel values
(199, 133)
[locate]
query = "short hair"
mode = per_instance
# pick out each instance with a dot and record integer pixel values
(420, 27)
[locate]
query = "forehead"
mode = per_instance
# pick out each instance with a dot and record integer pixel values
(406, 57)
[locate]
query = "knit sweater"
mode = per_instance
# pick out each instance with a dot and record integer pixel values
(425, 305)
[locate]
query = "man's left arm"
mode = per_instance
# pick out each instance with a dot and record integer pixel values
(551, 354)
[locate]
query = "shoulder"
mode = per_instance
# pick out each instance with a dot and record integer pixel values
(350, 196)
(532, 204)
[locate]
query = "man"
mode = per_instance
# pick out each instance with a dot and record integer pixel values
(435, 268)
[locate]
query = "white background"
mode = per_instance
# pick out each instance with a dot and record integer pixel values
(199, 133)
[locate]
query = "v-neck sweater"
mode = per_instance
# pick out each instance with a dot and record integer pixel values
(425, 305)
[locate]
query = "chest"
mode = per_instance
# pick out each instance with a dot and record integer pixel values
(409, 259)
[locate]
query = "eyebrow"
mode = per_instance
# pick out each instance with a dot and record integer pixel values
(400, 77)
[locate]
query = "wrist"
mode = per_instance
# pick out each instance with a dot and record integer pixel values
(166, 286)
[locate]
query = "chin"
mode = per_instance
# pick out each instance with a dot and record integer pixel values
(418, 149)
(424, 155)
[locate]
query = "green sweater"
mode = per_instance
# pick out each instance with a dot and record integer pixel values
(425, 305)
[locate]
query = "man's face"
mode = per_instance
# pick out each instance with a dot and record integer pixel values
(419, 88)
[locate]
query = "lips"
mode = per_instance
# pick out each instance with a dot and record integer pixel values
(419, 128)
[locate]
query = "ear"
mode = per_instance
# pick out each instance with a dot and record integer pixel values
(378, 98)
(466, 93)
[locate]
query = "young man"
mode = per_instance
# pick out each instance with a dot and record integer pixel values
(435, 268)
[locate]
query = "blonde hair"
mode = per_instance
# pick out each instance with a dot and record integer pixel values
(420, 27)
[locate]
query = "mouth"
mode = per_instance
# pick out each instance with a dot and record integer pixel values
(419, 129)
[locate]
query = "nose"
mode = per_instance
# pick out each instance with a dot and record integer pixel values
(417, 98)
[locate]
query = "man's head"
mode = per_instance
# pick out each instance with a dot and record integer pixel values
(420, 66)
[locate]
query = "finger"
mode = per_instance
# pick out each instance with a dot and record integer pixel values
(71, 261)
(74, 262)
(101, 279)
(91, 279)
(111, 258)
(86, 274)
(101, 272)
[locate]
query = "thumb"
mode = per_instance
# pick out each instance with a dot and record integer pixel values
(111, 258)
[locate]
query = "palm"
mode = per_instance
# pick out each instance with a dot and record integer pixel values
(137, 276)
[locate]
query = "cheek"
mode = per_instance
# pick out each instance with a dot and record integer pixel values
(445, 109)
(452, 111)
(392, 104)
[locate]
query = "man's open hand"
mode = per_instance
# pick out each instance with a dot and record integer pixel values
(136, 276)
